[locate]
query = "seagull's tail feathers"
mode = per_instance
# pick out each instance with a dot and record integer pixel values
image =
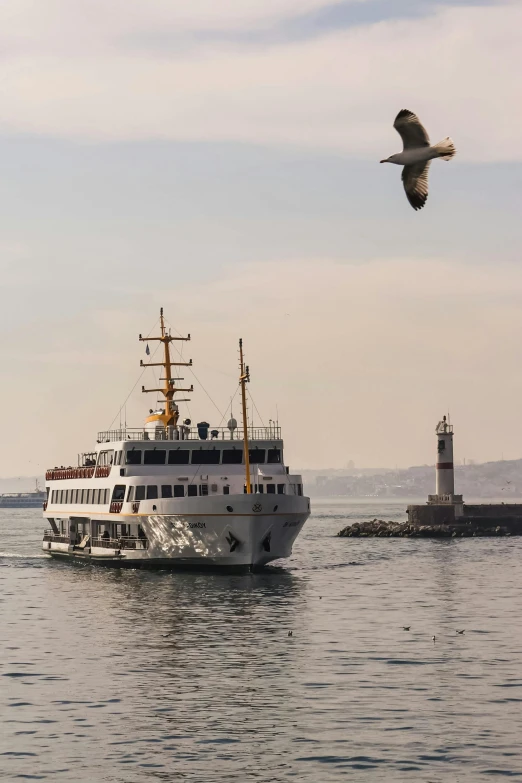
(445, 149)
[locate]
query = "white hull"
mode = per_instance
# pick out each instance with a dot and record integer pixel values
(251, 537)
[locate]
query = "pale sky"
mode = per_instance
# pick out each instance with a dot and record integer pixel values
(221, 160)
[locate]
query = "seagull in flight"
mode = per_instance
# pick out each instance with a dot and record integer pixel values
(417, 155)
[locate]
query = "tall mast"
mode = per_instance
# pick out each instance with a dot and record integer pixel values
(244, 378)
(169, 418)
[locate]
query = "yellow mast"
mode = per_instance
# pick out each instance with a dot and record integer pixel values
(170, 415)
(244, 378)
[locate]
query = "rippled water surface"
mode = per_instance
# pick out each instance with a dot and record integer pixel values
(130, 676)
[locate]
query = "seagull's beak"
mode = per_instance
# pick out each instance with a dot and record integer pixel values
(384, 161)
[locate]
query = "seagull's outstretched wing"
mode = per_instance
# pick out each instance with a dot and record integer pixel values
(412, 132)
(415, 181)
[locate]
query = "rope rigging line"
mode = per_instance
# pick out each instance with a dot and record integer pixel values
(180, 354)
(139, 378)
(255, 406)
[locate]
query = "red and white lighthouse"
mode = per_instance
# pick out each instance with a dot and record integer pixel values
(445, 475)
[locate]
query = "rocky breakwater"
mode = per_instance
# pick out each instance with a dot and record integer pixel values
(378, 528)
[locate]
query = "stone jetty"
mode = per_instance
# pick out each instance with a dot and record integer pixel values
(465, 529)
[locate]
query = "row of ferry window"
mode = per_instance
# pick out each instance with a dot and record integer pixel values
(201, 456)
(151, 492)
(90, 496)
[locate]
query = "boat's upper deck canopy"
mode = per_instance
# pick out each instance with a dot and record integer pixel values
(201, 432)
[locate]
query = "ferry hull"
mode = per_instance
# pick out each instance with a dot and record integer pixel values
(215, 541)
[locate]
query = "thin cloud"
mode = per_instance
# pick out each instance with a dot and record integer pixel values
(459, 70)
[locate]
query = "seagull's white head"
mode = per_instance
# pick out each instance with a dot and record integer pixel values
(392, 159)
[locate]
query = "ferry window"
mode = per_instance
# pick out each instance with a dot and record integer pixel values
(270, 488)
(299, 489)
(133, 457)
(261, 489)
(152, 492)
(179, 491)
(106, 500)
(118, 493)
(280, 489)
(203, 489)
(166, 491)
(257, 455)
(130, 495)
(226, 490)
(205, 457)
(156, 457)
(117, 461)
(274, 456)
(140, 492)
(179, 457)
(192, 490)
(232, 457)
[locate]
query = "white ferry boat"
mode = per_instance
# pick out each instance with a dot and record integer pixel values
(23, 499)
(171, 494)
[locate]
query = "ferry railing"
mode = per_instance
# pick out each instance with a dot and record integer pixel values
(214, 433)
(56, 474)
(50, 535)
(121, 543)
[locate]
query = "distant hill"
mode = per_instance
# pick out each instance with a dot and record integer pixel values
(487, 480)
